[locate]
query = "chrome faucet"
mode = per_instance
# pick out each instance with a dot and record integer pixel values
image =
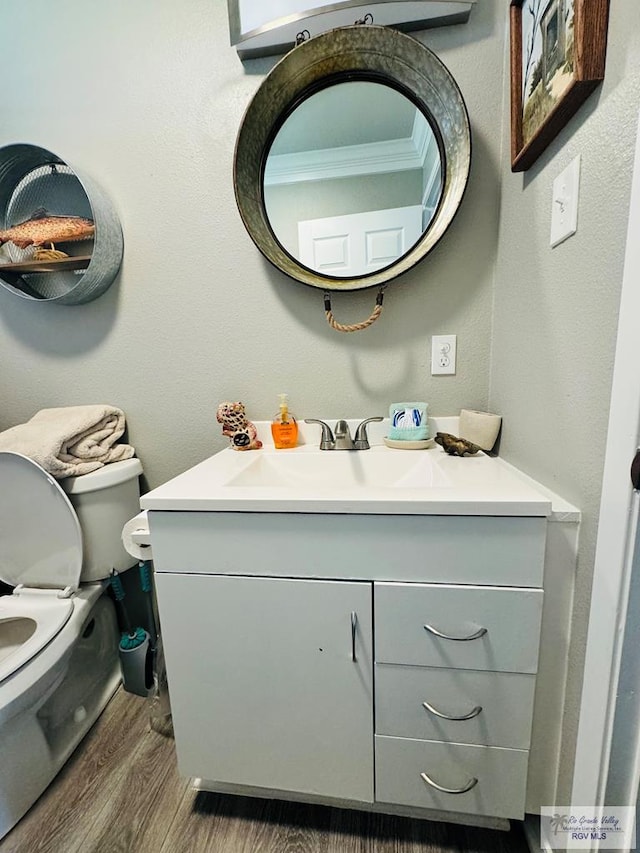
(342, 439)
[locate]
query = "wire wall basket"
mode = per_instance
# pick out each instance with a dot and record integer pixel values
(61, 240)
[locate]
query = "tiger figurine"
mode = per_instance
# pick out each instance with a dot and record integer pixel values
(242, 433)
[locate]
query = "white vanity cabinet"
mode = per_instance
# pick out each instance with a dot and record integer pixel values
(344, 658)
(366, 629)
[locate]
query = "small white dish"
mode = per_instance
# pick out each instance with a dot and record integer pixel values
(422, 444)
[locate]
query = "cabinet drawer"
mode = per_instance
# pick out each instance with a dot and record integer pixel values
(505, 700)
(504, 621)
(501, 776)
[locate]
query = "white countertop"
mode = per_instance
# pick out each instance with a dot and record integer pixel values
(472, 485)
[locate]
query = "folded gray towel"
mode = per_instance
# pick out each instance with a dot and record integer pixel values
(70, 441)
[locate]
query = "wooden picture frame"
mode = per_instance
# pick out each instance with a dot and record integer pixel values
(558, 53)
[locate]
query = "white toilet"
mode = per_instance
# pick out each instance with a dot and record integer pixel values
(59, 638)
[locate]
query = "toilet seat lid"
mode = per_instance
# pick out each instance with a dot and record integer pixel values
(39, 529)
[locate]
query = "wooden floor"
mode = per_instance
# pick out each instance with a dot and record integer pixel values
(120, 792)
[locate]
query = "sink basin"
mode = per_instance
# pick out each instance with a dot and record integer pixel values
(382, 480)
(341, 469)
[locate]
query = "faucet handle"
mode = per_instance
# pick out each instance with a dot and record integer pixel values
(327, 442)
(361, 441)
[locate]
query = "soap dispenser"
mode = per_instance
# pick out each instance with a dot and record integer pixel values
(284, 428)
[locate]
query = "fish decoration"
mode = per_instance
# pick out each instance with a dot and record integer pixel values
(43, 227)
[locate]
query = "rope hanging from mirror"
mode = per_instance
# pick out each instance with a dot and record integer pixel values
(353, 327)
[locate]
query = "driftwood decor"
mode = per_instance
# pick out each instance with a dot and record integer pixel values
(558, 52)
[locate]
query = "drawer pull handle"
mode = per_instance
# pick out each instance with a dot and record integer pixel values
(479, 633)
(470, 784)
(473, 713)
(354, 628)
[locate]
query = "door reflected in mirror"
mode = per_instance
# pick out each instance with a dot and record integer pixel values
(352, 179)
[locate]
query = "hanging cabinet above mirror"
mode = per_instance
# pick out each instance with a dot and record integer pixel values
(264, 29)
(352, 158)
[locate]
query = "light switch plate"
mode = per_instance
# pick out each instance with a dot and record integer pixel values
(564, 210)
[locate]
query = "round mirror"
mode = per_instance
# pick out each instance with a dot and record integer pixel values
(347, 197)
(352, 158)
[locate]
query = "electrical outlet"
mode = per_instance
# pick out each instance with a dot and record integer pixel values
(443, 354)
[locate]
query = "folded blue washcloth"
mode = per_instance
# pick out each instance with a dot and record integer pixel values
(408, 422)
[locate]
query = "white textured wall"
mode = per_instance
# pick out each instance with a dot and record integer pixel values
(556, 311)
(147, 97)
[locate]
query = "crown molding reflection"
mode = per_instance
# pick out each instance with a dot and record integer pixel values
(347, 161)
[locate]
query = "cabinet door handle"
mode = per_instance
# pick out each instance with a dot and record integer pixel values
(470, 784)
(473, 713)
(354, 627)
(479, 633)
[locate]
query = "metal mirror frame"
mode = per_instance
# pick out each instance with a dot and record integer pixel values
(346, 54)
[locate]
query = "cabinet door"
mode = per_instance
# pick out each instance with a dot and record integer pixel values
(271, 681)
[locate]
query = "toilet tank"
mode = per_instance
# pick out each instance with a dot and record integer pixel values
(104, 501)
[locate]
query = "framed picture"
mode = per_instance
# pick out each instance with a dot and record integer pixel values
(558, 52)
